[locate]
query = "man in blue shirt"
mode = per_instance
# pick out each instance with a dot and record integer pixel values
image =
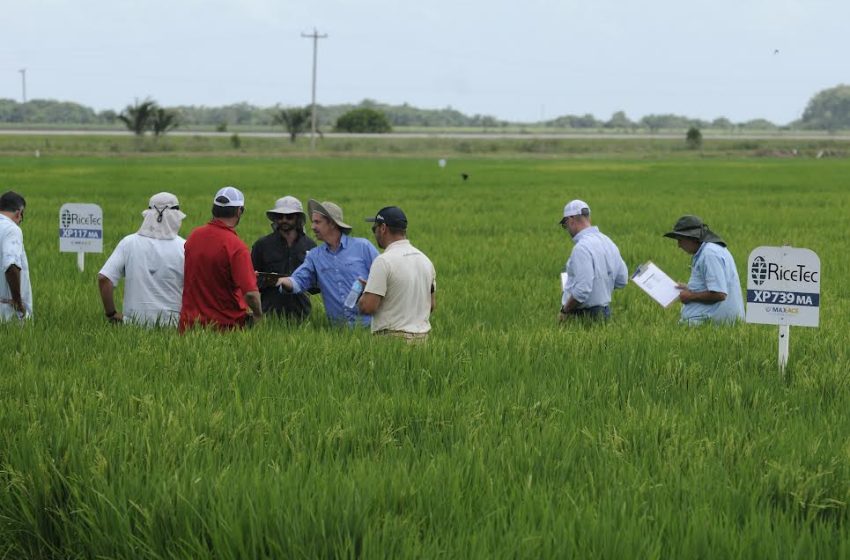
(334, 266)
(594, 268)
(713, 292)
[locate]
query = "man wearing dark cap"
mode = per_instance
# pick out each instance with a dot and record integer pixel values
(219, 281)
(335, 266)
(594, 270)
(399, 293)
(713, 292)
(281, 252)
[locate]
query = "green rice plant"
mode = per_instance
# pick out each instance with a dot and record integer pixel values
(506, 435)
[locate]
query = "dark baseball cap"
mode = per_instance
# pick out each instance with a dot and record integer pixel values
(390, 215)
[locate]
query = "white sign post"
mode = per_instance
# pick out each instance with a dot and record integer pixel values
(80, 230)
(783, 288)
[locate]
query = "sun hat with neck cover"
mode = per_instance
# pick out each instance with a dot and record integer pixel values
(692, 227)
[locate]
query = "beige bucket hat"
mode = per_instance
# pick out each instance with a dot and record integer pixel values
(329, 210)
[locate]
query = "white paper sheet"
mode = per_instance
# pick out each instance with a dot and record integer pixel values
(656, 283)
(564, 294)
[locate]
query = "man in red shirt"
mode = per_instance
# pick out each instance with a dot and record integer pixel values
(219, 284)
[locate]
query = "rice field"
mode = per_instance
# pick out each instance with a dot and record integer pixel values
(507, 435)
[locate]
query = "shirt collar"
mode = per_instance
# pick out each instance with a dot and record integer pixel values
(396, 244)
(343, 243)
(219, 224)
(585, 231)
(699, 251)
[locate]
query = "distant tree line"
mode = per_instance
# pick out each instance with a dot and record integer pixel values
(827, 110)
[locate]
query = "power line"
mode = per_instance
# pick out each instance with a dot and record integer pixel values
(315, 36)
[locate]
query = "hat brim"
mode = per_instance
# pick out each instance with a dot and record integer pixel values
(281, 212)
(316, 206)
(687, 234)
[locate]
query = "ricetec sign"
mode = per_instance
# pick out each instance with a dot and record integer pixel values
(80, 228)
(783, 286)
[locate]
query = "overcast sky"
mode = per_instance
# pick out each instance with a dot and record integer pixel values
(520, 61)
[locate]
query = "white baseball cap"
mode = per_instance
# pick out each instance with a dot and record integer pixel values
(229, 196)
(575, 208)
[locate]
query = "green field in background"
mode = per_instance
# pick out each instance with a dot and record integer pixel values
(506, 435)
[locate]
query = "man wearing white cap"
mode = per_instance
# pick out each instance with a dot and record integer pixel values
(220, 285)
(594, 268)
(335, 267)
(281, 252)
(152, 261)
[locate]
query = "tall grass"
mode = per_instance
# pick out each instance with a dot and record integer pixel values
(505, 436)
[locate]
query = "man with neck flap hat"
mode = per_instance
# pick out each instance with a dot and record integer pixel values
(713, 293)
(152, 262)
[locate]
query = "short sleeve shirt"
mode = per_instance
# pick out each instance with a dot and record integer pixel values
(154, 271)
(12, 252)
(405, 278)
(713, 269)
(217, 275)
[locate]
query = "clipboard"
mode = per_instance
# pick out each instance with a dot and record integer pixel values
(656, 284)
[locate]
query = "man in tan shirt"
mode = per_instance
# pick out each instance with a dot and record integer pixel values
(399, 293)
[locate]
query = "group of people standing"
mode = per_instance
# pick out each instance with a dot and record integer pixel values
(212, 279)
(595, 269)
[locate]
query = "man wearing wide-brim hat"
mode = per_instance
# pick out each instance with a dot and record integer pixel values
(713, 292)
(281, 252)
(336, 266)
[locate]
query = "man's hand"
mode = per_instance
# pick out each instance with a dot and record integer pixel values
(284, 283)
(116, 319)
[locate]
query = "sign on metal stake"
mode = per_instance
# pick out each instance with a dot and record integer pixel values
(80, 230)
(783, 288)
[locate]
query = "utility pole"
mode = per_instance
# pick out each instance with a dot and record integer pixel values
(23, 72)
(315, 36)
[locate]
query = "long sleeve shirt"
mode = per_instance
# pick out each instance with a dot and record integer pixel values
(334, 272)
(595, 268)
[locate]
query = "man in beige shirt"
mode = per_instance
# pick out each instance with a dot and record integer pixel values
(399, 293)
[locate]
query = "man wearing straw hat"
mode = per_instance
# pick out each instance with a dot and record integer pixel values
(280, 253)
(15, 290)
(713, 293)
(335, 267)
(152, 261)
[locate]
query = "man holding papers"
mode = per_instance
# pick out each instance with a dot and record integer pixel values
(594, 268)
(713, 292)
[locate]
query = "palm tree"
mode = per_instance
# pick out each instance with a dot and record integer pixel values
(163, 120)
(294, 120)
(138, 117)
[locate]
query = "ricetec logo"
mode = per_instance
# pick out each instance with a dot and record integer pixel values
(762, 270)
(69, 219)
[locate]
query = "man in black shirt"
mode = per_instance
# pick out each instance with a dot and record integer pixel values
(281, 252)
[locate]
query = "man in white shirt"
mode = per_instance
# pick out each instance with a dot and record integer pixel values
(594, 270)
(399, 293)
(15, 290)
(152, 261)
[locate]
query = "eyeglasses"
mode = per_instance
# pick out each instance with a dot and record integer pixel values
(375, 228)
